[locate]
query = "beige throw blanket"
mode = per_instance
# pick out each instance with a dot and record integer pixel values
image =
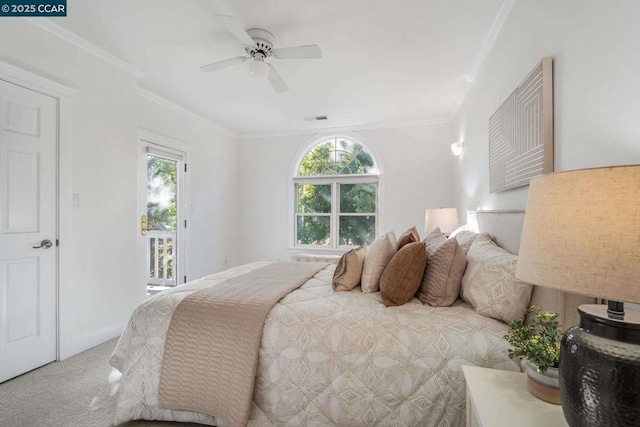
(212, 345)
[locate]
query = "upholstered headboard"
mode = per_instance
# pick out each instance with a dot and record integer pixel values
(505, 227)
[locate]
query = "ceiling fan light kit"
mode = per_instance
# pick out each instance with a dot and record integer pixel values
(258, 69)
(259, 44)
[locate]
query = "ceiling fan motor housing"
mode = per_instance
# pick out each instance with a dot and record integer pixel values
(264, 42)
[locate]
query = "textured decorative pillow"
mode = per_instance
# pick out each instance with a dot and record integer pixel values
(466, 238)
(489, 284)
(402, 276)
(409, 236)
(446, 264)
(378, 256)
(435, 237)
(349, 269)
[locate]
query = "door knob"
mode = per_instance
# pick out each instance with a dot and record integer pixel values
(45, 244)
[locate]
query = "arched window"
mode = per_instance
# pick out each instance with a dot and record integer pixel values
(336, 195)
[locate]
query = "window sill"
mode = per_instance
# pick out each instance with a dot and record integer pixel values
(298, 250)
(316, 254)
(331, 259)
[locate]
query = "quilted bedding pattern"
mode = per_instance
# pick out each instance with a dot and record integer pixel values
(329, 358)
(213, 370)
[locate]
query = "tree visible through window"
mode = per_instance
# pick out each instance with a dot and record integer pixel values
(162, 190)
(336, 195)
(162, 212)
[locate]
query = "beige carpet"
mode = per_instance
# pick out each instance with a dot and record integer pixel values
(72, 393)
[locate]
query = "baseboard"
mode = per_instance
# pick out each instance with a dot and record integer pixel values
(85, 342)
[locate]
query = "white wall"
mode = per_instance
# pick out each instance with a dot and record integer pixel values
(99, 282)
(96, 293)
(417, 173)
(596, 89)
(212, 231)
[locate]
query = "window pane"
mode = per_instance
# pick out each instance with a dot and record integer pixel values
(352, 157)
(313, 230)
(358, 198)
(337, 157)
(162, 193)
(314, 198)
(320, 160)
(357, 230)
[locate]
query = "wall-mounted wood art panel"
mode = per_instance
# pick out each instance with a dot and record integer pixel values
(521, 132)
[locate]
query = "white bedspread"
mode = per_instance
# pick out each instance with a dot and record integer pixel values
(329, 358)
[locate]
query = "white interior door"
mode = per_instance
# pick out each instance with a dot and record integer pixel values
(28, 140)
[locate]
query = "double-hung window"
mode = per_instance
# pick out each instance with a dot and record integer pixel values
(336, 196)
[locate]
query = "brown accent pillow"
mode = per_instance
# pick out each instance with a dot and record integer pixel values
(490, 285)
(401, 278)
(446, 263)
(349, 269)
(409, 236)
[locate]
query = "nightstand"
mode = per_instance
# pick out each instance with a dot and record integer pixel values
(498, 398)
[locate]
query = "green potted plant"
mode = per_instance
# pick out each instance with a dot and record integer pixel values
(539, 345)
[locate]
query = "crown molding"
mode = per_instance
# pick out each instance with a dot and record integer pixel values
(427, 122)
(33, 81)
(85, 45)
(498, 22)
(147, 94)
(91, 48)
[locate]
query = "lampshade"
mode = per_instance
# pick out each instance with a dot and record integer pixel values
(445, 218)
(581, 233)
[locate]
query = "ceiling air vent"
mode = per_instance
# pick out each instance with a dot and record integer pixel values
(315, 118)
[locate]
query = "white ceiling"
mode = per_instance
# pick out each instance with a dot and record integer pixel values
(383, 62)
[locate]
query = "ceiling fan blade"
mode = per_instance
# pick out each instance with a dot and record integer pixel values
(210, 68)
(299, 52)
(234, 27)
(276, 81)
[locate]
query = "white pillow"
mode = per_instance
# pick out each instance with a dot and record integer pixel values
(378, 256)
(489, 283)
(458, 230)
(466, 237)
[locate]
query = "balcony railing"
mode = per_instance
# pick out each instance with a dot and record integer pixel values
(160, 251)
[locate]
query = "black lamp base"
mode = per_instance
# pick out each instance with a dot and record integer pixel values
(600, 369)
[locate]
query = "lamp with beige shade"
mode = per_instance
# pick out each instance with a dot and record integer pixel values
(582, 235)
(444, 218)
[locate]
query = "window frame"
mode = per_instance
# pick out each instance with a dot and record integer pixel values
(334, 215)
(335, 181)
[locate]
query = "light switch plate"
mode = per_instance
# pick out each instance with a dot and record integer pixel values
(76, 200)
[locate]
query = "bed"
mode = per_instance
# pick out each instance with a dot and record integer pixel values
(337, 358)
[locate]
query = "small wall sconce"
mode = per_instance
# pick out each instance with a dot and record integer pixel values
(457, 148)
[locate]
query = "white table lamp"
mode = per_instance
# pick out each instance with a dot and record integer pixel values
(445, 218)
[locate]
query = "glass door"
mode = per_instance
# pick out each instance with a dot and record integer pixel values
(163, 221)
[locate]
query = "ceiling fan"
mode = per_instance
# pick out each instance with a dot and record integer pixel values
(259, 45)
